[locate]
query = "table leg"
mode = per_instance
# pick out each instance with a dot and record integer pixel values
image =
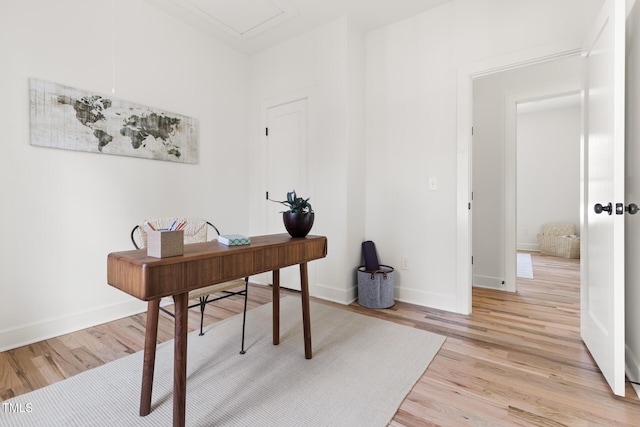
(306, 313)
(180, 360)
(276, 307)
(150, 339)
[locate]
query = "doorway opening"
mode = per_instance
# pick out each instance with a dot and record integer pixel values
(548, 180)
(525, 163)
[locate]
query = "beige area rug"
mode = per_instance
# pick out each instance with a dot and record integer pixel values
(362, 369)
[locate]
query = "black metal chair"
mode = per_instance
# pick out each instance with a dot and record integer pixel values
(196, 230)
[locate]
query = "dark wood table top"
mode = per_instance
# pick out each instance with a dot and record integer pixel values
(204, 264)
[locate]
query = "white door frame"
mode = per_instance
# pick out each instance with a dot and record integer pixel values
(466, 75)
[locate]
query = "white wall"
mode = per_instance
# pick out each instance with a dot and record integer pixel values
(78, 207)
(632, 189)
(491, 108)
(64, 211)
(325, 65)
(411, 125)
(548, 171)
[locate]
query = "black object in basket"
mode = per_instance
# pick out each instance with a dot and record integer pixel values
(370, 256)
(375, 281)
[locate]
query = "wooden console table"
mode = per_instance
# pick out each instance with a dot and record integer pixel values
(204, 264)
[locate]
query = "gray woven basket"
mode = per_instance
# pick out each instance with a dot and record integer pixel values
(375, 288)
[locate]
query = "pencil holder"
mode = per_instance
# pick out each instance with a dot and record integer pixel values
(163, 244)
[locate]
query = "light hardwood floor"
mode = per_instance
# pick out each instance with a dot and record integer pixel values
(517, 360)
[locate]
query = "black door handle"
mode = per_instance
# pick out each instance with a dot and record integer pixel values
(621, 209)
(598, 208)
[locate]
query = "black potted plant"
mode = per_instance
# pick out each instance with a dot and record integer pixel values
(298, 219)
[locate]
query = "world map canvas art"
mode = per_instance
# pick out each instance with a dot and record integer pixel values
(74, 119)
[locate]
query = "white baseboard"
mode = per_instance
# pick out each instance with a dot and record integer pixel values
(531, 247)
(490, 282)
(411, 296)
(318, 290)
(34, 332)
(333, 294)
(425, 299)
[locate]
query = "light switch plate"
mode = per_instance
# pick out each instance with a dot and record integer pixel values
(433, 183)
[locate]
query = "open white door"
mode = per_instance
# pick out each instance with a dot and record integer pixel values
(602, 236)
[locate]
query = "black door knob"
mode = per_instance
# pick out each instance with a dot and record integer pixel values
(598, 208)
(632, 209)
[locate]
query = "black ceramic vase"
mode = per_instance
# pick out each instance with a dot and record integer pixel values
(298, 224)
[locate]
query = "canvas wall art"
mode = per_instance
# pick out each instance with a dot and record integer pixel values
(74, 119)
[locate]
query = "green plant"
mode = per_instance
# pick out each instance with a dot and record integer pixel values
(296, 204)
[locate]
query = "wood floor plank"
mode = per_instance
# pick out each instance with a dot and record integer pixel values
(517, 360)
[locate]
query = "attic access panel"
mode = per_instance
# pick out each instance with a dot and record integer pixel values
(242, 19)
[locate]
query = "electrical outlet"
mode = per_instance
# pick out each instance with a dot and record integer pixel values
(525, 231)
(405, 263)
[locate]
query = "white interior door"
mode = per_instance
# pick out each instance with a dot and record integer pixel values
(287, 166)
(602, 275)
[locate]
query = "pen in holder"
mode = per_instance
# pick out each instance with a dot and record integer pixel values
(164, 243)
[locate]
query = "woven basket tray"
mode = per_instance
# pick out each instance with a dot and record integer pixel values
(560, 246)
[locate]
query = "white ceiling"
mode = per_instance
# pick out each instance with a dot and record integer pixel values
(250, 26)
